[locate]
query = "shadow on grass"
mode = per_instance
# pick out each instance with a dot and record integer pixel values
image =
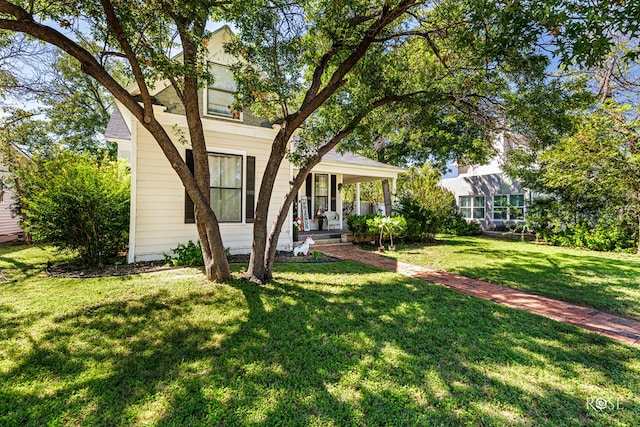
(377, 349)
(583, 279)
(22, 262)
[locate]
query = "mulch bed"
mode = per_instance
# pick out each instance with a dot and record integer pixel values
(83, 272)
(80, 272)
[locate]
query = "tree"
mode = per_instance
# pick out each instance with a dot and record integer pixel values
(422, 183)
(405, 62)
(319, 68)
(594, 173)
(141, 35)
(65, 107)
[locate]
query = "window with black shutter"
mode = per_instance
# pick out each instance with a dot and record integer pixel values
(225, 172)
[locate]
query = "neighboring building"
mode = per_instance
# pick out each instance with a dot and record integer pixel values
(239, 145)
(9, 223)
(485, 194)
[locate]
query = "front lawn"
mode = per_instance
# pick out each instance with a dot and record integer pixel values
(603, 280)
(323, 344)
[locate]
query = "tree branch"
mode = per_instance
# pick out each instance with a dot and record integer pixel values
(118, 32)
(312, 102)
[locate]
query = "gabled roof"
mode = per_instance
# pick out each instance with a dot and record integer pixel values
(117, 128)
(160, 85)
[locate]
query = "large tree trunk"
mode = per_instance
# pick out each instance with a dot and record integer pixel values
(386, 192)
(258, 271)
(216, 264)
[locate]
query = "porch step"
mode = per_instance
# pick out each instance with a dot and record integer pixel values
(325, 242)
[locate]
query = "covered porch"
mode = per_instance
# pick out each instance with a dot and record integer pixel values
(319, 205)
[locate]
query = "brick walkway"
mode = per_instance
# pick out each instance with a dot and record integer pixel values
(616, 327)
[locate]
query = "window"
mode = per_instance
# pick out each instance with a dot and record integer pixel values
(226, 178)
(321, 192)
(220, 92)
(501, 207)
(226, 186)
(516, 206)
(508, 207)
(472, 207)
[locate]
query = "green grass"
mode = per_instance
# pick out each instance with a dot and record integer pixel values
(603, 280)
(323, 344)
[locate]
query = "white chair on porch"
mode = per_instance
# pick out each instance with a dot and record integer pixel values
(333, 219)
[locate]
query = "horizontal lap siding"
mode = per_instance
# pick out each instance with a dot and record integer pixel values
(8, 223)
(160, 196)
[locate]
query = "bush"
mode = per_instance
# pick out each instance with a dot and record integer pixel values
(186, 255)
(456, 224)
(77, 202)
(359, 227)
(422, 222)
(511, 227)
(189, 255)
(606, 235)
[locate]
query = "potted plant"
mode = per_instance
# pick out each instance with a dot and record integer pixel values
(376, 225)
(320, 218)
(390, 226)
(394, 225)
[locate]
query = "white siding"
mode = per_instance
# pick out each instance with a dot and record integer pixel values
(8, 223)
(160, 197)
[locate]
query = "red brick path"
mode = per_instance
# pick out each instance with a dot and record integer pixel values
(616, 327)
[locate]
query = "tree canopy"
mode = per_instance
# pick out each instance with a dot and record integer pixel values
(49, 96)
(330, 72)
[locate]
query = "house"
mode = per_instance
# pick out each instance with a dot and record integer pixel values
(239, 145)
(9, 223)
(485, 194)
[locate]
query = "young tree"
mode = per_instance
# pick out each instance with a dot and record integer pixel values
(319, 68)
(422, 183)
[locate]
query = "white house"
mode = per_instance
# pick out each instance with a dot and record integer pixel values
(484, 193)
(239, 145)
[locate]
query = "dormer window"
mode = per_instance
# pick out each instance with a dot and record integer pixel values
(220, 93)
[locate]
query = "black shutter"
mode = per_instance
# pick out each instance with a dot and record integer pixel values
(189, 211)
(251, 189)
(309, 183)
(334, 190)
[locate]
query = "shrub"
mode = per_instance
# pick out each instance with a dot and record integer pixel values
(610, 234)
(422, 222)
(189, 255)
(359, 227)
(186, 255)
(77, 202)
(456, 224)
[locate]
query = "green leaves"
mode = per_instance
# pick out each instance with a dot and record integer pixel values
(77, 202)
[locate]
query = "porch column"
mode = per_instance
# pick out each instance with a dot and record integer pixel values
(357, 198)
(394, 188)
(339, 199)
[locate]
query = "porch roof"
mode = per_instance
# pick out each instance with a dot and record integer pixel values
(356, 168)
